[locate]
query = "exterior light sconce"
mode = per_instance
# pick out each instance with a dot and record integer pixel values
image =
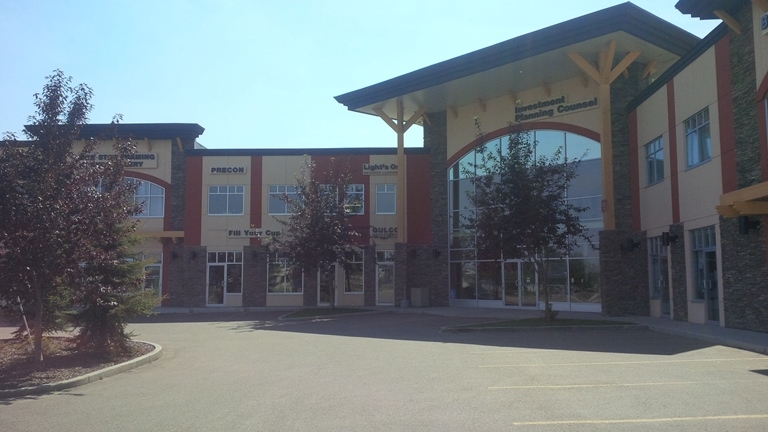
(174, 255)
(746, 224)
(667, 239)
(630, 245)
(254, 254)
(193, 255)
(436, 253)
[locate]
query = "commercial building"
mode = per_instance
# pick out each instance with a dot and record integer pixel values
(675, 176)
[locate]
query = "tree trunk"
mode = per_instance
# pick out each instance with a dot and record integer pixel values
(38, 346)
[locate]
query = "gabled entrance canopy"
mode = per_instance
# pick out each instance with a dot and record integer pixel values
(527, 61)
(597, 48)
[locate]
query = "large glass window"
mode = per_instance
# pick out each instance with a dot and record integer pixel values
(354, 199)
(149, 196)
(277, 204)
(353, 282)
(285, 277)
(654, 161)
(153, 267)
(225, 200)
(385, 198)
(703, 246)
(574, 279)
(698, 143)
(385, 277)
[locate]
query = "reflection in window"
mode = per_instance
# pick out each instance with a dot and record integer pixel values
(475, 275)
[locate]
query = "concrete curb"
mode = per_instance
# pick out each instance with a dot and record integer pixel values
(463, 329)
(88, 378)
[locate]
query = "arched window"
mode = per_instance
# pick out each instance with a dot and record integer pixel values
(477, 276)
(150, 196)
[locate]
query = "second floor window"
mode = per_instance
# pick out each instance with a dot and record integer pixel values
(654, 160)
(698, 142)
(277, 204)
(150, 196)
(354, 199)
(225, 200)
(385, 198)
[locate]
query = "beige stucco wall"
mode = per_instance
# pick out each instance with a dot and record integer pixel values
(761, 46)
(500, 111)
(214, 228)
(700, 186)
(655, 200)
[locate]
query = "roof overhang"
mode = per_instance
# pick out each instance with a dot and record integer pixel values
(525, 62)
(748, 201)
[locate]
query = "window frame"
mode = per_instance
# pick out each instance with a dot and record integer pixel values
(279, 191)
(146, 199)
(393, 192)
(653, 150)
(284, 263)
(228, 194)
(693, 127)
(350, 202)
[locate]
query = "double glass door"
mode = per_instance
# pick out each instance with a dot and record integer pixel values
(519, 284)
(325, 284)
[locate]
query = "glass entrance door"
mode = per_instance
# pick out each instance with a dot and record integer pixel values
(216, 283)
(326, 281)
(385, 277)
(519, 284)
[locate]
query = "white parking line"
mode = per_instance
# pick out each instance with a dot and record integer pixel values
(624, 362)
(614, 385)
(656, 420)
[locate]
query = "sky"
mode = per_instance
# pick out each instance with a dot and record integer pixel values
(258, 73)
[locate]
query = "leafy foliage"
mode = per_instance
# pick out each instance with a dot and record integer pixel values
(62, 217)
(521, 210)
(319, 230)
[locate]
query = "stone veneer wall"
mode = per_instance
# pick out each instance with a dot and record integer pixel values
(419, 264)
(255, 276)
(745, 277)
(188, 276)
(436, 141)
(369, 275)
(179, 181)
(679, 280)
(624, 274)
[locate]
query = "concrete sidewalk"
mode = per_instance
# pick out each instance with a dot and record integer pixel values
(742, 339)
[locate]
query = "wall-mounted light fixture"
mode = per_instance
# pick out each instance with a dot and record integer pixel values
(667, 239)
(192, 255)
(436, 253)
(746, 224)
(174, 255)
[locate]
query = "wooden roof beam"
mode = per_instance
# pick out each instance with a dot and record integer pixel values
(650, 69)
(762, 4)
(749, 193)
(728, 20)
(751, 207)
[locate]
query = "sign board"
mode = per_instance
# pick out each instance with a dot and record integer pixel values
(550, 108)
(253, 233)
(138, 160)
(764, 24)
(379, 169)
(383, 232)
(228, 170)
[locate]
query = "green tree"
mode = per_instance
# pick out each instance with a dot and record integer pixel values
(62, 216)
(520, 206)
(319, 229)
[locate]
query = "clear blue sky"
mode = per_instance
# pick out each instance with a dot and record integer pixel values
(257, 74)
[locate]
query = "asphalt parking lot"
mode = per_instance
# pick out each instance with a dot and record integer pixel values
(386, 371)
